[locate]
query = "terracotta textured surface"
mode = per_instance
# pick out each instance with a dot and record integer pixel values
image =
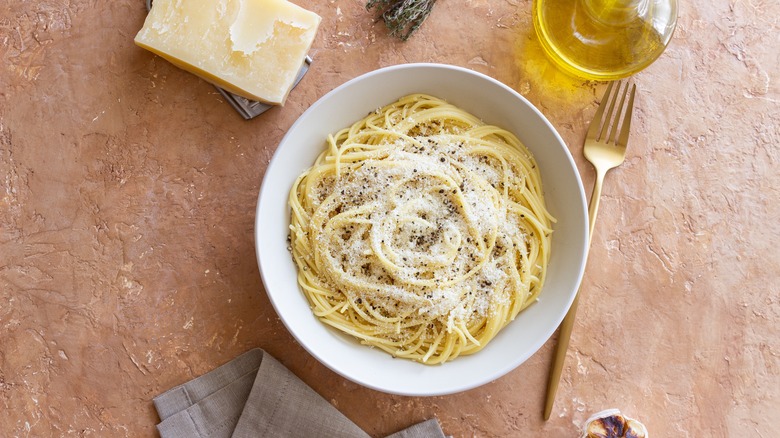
(127, 196)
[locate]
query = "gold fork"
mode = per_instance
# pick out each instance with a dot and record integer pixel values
(605, 148)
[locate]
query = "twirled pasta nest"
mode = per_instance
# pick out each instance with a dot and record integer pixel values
(420, 230)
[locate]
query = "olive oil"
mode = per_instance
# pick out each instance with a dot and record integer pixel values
(604, 39)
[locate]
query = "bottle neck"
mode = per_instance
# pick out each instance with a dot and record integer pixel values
(616, 12)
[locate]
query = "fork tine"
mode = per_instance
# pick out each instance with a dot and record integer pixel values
(623, 139)
(604, 129)
(613, 129)
(595, 125)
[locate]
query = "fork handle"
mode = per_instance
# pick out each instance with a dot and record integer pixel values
(593, 207)
(564, 334)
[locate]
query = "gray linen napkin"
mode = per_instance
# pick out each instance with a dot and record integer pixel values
(255, 396)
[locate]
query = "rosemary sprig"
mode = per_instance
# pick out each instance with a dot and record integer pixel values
(402, 17)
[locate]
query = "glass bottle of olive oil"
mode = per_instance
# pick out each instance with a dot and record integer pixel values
(604, 39)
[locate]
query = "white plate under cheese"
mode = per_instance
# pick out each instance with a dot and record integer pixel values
(253, 48)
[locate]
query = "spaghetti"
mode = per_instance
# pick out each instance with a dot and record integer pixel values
(420, 230)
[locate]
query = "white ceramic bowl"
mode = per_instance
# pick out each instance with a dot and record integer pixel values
(494, 103)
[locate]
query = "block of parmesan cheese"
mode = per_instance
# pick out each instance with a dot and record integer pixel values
(253, 48)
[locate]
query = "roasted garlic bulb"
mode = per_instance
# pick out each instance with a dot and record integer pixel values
(612, 424)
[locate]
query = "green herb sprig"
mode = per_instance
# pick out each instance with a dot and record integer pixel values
(402, 17)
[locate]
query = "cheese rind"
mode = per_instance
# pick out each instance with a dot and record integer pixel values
(253, 48)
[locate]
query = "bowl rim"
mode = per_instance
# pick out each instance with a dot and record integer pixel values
(454, 388)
